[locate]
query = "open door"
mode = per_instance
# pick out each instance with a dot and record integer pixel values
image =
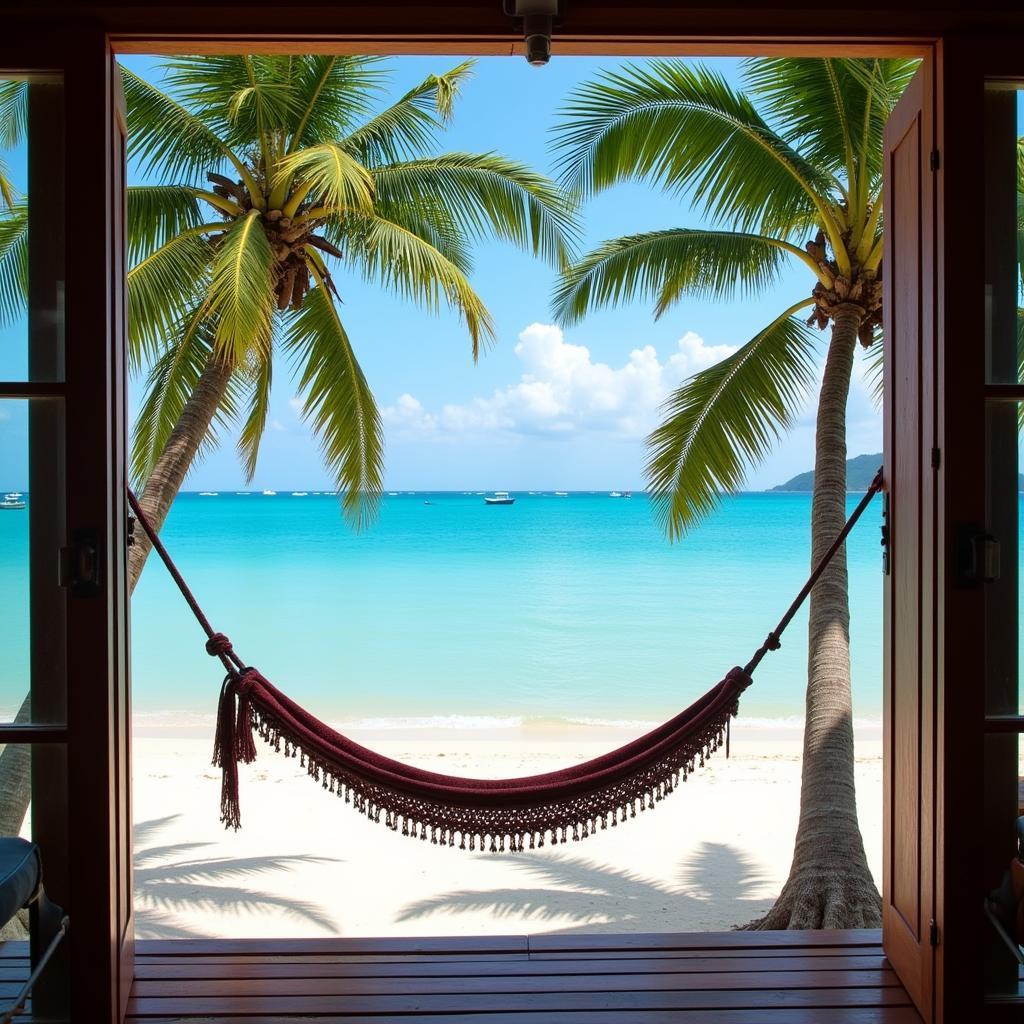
(65, 717)
(911, 923)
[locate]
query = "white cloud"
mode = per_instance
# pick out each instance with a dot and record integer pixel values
(296, 403)
(279, 426)
(562, 390)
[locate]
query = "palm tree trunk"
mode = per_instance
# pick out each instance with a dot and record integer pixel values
(176, 459)
(16, 777)
(829, 884)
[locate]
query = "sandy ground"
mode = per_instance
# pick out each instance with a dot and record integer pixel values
(712, 856)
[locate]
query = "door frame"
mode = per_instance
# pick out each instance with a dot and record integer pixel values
(91, 875)
(98, 758)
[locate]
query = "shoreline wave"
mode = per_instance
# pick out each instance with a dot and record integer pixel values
(165, 721)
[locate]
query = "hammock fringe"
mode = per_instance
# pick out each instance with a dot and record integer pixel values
(495, 827)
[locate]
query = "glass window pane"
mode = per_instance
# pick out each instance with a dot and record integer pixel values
(993, 553)
(31, 229)
(1004, 231)
(31, 534)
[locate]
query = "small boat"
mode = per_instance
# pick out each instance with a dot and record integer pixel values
(561, 494)
(299, 494)
(392, 494)
(615, 494)
(208, 494)
(270, 494)
(627, 494)
(11, 503)
(243, 494)
(13, 495)
(500, 498)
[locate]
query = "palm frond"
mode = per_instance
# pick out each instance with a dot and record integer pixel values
(242, 97)
(242, 290)
(13, 112)
(413, 268)
(13, 129)
(167, 140)
(427, 218)
(338, 404)
(874, 374)
(336, 93)
(335, 178)
(13, 264)
(408, 127)
(726, 417)
(162, 288)
(488, 194)
(666, 265)
(251, 434)
(685, 129)
(172, 379)
(155, 215)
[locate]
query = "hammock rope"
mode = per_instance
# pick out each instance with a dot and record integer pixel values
(486, 814)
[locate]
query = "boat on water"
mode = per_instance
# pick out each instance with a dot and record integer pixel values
(208, 494)
(392, 494)
(561, 494)
(11, 503)
(499, 498)
(299, 494)
(270, 494)
(615, 494)
(627, 494)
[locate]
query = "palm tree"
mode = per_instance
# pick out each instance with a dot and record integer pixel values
(275, 177)
(786, 172)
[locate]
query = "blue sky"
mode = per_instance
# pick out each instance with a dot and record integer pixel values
(543, 408)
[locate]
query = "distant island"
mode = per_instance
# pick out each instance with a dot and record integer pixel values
(859, 474)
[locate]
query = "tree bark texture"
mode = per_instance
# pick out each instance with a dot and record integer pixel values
(829, 884)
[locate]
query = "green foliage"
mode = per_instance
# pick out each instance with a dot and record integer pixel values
(665, 266)
(787, 169)
(171, 380)
(302, 175)
(13, 264)
(338, 402)
(242, 291)
(725, 417)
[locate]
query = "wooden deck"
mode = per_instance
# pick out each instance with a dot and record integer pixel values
(727, 978)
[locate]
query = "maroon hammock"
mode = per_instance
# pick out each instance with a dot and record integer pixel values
(493, 814)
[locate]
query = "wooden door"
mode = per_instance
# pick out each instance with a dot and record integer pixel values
(911, 923)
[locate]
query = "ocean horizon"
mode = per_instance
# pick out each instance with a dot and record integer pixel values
(565, 610)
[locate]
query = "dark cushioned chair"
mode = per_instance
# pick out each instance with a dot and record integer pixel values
(21, 886)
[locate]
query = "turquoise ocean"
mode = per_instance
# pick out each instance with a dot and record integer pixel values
(447, 612)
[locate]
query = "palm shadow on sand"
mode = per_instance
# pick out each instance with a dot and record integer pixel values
(718, 883)
(175, 879)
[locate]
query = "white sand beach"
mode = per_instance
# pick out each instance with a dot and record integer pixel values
(712, 856)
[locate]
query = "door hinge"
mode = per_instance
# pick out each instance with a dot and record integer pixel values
(81, 568)
(933, 933)
(936, 458)
(933, 160)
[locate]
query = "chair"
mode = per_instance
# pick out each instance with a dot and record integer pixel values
(21, 886)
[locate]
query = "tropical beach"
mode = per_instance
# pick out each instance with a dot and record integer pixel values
(503, 642)
(711, 857)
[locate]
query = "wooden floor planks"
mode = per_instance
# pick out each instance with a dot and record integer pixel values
(728, 978)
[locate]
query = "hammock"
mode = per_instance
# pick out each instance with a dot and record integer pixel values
(493, 814)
